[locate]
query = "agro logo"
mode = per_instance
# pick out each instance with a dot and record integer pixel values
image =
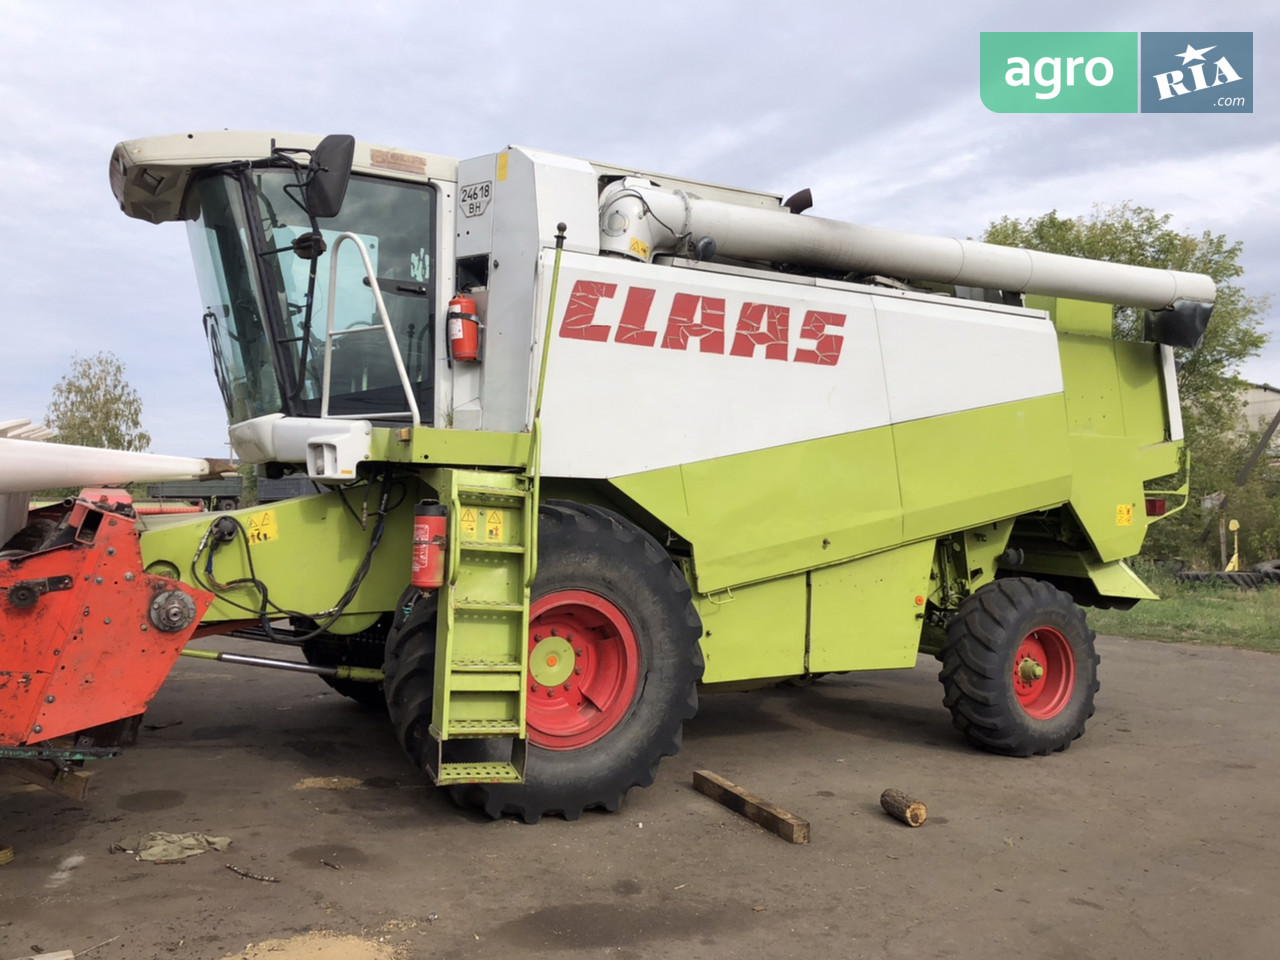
(1059, 72)
(1197, 72)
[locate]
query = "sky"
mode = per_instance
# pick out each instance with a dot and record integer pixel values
(875, 107)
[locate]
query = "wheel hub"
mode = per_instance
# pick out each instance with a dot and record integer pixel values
(551, 661)
(1044, 673)
(1029, 671)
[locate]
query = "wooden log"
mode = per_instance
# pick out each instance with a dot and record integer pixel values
(768, 815)
(907, 809)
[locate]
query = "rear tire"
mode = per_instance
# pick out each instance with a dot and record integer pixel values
(613, 625)
(1019, 668)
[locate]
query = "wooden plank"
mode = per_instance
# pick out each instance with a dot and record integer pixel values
(768, 815)
(74, 784)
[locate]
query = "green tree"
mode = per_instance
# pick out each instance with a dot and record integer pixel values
(94, 406)
(1208, 377)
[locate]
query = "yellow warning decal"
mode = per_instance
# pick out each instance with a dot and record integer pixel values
(502, 166)
(467, 523)
(639, 248)
(262, 527)
(1124, 515)
(493, 526)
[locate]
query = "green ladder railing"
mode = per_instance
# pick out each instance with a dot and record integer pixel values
(482, 628)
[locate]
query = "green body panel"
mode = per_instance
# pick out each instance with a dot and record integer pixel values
(306, 550)
(1117, 579)
(970, 468)
(784, 510)
(754, 631)
(866, 614)
(1107, 495)
(1119, 436)
(813, 504)
(431, 446)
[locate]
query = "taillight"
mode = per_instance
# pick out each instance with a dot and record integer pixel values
(1156, 506)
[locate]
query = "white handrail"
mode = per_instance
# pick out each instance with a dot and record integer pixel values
(386, 325)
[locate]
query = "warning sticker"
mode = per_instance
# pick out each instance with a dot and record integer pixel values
(493, 526)
(639, 248)
(467, 523)
(262, 527)
(1124, 515)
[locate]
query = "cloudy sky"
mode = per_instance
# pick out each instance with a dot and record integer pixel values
(873, 106)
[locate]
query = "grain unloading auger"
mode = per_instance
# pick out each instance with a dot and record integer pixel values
(592, 439)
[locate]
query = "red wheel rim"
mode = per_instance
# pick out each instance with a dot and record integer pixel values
(1044, 673)
(584, 668)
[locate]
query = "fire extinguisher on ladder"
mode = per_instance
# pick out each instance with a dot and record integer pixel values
(464, 329)
(430, 528)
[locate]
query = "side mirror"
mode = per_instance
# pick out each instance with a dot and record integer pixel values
(330, 174)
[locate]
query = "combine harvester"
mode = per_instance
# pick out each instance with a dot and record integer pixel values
(593, 438)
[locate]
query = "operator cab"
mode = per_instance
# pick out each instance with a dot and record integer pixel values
(263, 234)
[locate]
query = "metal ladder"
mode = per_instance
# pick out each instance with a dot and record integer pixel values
(482, 627)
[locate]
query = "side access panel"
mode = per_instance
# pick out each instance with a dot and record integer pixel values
(864, 614)
(867, 614)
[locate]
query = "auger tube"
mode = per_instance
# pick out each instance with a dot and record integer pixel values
(664, 220)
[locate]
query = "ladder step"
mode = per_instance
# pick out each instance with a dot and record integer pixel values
(489, 490)
(491, 547)
(485, 681)
(492, 665)
(494, 605)
(478, 773)
(483, 728)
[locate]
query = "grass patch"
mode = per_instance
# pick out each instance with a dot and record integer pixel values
(1213, 613)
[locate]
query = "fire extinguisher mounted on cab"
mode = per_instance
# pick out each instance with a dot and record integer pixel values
(465, 330)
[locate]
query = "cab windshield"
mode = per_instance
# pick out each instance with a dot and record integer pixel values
(254, 289)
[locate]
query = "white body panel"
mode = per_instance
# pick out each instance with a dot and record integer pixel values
(622, 399)
(332, 449)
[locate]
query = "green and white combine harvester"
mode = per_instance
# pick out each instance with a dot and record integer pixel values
(593, 438)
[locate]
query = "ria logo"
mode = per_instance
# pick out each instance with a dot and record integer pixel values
(1171, 85)
(1197, 73)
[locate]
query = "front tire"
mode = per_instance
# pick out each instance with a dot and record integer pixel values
(614, 664)
(1019, 668)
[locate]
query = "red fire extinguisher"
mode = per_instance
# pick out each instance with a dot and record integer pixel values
(430, 525)
(464, 328)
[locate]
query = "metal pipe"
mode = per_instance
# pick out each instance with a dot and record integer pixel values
(360, 674)
(28, 465)
(641, 219)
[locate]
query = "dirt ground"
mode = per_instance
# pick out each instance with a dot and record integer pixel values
(1154, 836)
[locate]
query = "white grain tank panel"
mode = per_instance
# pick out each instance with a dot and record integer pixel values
(474, 221)
(566, 193)
(631, 399)
(943, 358)
(531, 194)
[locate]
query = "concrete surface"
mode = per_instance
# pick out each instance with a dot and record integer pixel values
(1154, 836)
